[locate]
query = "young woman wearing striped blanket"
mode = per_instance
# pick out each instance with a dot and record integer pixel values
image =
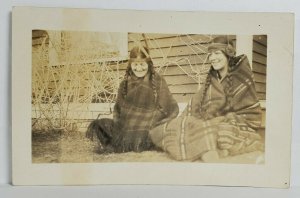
(222, 118)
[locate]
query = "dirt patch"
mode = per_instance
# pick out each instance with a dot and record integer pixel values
(46, 146)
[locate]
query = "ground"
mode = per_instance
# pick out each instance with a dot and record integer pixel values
(74, 147)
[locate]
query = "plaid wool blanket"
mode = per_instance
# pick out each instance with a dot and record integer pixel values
(226, 119)
(139, 111)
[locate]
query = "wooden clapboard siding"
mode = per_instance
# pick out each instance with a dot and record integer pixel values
(139, 36)
(180, 79)
(260, 87)
(184, 88)
(261, 78)
(175, 56)
(182, 60)
(132, 37)
(176, 51)
(166, 42)
(179, 55)
(259, 48)
(262, 39)
(259, 58)
(182, 69)
(259, 68)
(259, 64)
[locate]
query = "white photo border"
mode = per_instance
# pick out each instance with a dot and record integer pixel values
(279, 27)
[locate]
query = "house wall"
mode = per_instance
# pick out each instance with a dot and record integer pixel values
(259, 64)
(181, 59)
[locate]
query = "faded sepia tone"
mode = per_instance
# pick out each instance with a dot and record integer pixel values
(275, 172)
(75, 78)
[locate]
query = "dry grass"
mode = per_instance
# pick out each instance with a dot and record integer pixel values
(74, 147)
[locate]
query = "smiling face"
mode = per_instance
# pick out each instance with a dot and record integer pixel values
(218, 60)
(139, 67)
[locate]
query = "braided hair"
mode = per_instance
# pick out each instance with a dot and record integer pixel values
(199, 107)
(140, 52)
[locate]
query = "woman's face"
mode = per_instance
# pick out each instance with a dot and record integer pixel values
(218, 60)
(139, 67)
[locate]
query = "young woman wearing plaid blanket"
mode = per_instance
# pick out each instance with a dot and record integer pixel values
(222, 118)
(143, 102)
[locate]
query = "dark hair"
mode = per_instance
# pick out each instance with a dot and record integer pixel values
(206, 85)
(222, 39)
(140, 52)
(224, 44)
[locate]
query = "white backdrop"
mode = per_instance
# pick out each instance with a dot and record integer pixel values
(182, 5)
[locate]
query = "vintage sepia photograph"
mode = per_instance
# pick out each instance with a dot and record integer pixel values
(109, 97)
(148, 97)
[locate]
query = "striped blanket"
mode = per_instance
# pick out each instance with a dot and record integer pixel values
(226, 122)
